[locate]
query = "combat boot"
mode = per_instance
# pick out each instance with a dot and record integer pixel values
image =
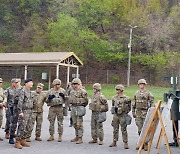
(28, 139)
(92, 141)
(113, 144)
(7, 135)
(100, 143)
(1, 139)
(24, 143)
(79, 141)
(11, 140)
(18, 145)
(60, 138)
(145, 146)
(51, 138)
(38, 138)
(75, 139)
(126, 146)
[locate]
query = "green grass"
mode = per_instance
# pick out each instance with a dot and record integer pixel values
(109, 91)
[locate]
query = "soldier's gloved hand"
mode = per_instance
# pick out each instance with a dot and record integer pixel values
(50, 97)
(62, 95)
(134, 115)
(116, 110)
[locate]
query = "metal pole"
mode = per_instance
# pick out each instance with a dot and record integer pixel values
(77, 72)
(129, 56)
(57, 71)
(49, 84)
(25, 72)
(68, 70)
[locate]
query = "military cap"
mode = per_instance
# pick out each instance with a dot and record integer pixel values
(40, 85)
(18, 79)
(1, 80)
(97, 86)
(28, 80)
(14, 80)
(119, 87)
(56, 82)
(142, 81)
(76, 81)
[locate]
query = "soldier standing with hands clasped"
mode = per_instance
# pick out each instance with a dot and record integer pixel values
(121, 106)
(55, 98)
(79, 100)
(143, 100)
(98, 106)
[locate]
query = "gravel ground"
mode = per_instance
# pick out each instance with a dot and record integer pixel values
(66, 147)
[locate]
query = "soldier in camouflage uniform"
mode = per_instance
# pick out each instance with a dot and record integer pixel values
(37, 113)
(121, 106)
(15, 115)
(25, 106)
(9, 92)
(55, 98)
(98, 104)
(3, 100)
(79, 100)
(143, 100)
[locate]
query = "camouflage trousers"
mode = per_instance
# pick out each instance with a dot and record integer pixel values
(23, 125)
(38, 117)
(140, 118)
(96, 127)
(13, 121)
(1, 116)
(119, 120)
(77, 122)
(56, 111)
(9, 114)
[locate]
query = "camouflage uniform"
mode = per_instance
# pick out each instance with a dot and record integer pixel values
(56, 109)
(37, 112)
(98, 104)
(143, 100)
(9, 92)
(25, 106)
(3, 100)
(122, 106)
(14, 121)
(78, 98)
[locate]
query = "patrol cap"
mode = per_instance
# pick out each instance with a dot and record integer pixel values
(56, 82)
(14, 80)
(76, 81)
(1, 80)
(97, 86)
(18, 79)
(142, 81)
(40, 85)
(119, 87)
(27, 80)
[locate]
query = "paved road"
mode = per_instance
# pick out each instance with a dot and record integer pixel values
(66, 147)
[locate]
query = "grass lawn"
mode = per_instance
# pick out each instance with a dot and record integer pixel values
(109, 91)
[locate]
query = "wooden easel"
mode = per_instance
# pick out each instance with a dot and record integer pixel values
(150, 131)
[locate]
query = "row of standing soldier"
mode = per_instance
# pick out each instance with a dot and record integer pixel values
(24, 107)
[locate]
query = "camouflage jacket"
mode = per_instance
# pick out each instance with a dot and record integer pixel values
(25, 101)
(78, 97)
(16, 94)
(98, 103)
(56, 97)
(3, 98)
(143, 100)
(38, 101)
(9, 93)
(121, 104)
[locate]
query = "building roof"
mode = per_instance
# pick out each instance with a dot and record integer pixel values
(40, 58)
